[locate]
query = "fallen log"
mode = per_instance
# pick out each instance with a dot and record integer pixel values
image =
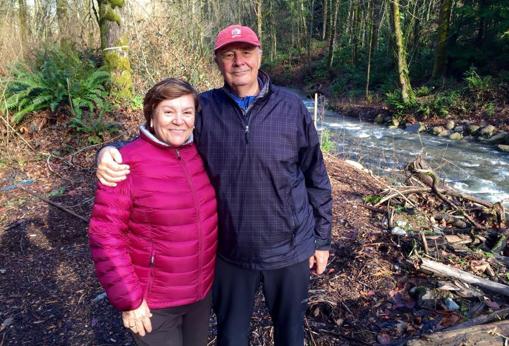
(483, 335)
(448, 271)
(494, 316)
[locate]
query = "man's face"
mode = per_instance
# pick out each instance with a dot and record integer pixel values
(239, 64)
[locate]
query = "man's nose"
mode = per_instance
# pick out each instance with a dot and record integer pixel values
(238, 59)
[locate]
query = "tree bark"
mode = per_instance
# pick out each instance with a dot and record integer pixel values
(447, 271)
(407, 93)
(62, 19)
(325, 18)
(259, 18)
(114, 44)
(482, 335)
(23, 23)
(440, 62)
(332, 34)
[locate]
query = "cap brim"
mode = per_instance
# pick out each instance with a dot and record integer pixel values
(236, 41)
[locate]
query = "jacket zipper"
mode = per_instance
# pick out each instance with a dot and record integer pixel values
(151, 272)
(200, 235)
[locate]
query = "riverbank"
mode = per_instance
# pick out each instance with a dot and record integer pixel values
(367, 295)
(457, 114)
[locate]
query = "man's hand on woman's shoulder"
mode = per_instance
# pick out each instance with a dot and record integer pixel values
(110, 169)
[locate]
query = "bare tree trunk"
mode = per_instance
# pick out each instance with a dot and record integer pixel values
(114, 44)
(407, 93)
(62, 19)
(332, 36)
(440, 63)
(310, 30)
(374, 15)
(259, 18)
(24, 25)
(325, 15)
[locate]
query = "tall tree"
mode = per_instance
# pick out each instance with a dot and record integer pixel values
(374, 20)
(24, 25)
(259, 18)
(114, 44)
(440, 62)
(63, 29)
(325, 8)
(332, 34)
(407, 93)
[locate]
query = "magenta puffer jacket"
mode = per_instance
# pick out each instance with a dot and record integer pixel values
(154, 235)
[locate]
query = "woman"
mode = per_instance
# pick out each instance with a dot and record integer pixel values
(153, 237)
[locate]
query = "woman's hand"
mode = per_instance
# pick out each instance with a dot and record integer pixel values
(138, 320)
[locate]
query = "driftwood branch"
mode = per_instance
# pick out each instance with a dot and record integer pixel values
(482, 335)
(56, 205)
(494, 316)
(448, 271)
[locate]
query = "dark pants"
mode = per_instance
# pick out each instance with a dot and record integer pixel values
(185, 325)
(285, 291)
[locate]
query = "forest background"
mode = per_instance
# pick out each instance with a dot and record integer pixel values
(84, 59)
(73, 75)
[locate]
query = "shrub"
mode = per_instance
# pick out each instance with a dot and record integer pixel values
(326, 144)
(58, 78)
(480, 87)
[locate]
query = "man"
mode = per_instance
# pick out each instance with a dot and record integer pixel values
(274, 197)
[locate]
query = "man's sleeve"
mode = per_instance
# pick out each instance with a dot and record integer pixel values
(317, 181)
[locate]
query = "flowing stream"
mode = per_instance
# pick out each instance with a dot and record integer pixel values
(473, 168)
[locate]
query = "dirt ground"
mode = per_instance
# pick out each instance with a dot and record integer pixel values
(50, 295)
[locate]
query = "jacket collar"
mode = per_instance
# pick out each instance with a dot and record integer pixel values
(149, 137)
(263, 81)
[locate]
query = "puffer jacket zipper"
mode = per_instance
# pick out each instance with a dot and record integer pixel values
(200, 234)
(152, 261)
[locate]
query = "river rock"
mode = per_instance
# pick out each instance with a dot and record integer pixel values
(394, 123)
(503, 147)
(444, 133)
(459, 224)
(437, 130)
(416, 128)
(455, 136)
(459, 129)
(499, 138)
(450, 125)
(472, 129)
(398, 231)
(488, 131)
(379, 119)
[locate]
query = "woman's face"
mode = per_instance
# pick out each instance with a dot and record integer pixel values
(173, 120)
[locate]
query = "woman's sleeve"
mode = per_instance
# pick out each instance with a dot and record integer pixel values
(109, 245)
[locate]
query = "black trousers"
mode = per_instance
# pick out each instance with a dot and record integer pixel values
(285, 291)
(185, 325)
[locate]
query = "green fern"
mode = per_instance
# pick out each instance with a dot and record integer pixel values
(60, 77)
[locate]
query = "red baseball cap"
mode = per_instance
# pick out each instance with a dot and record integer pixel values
(236, 33)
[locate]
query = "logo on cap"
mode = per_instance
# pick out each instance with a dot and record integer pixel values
(236, 32)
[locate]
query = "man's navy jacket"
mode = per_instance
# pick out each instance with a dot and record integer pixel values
(274, 194)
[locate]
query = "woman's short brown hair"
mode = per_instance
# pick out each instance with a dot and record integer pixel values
(167, 89)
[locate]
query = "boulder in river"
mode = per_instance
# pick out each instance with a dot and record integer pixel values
(499, 138)
(459, 129)
(379, 119)
(416, 128)
(456, 136)
(488, 131)
(437, 130)
(450, 124)
(394, 123)
(503, 147)
(472, 129)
